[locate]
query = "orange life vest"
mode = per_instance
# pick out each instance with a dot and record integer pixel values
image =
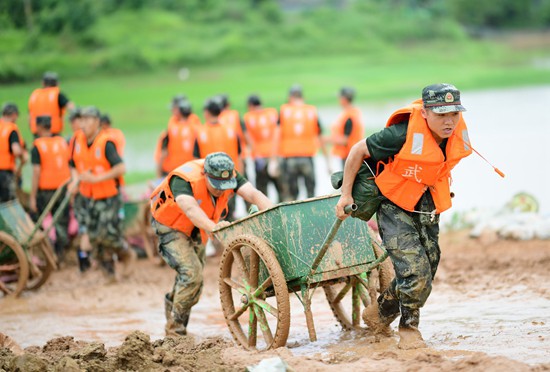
(218, 137)
(7, 159)
(93, 159)
(337, 131)
(193, 119)
(165, 209)
(54, 162)
(261, 126)
(299, 131)
(45, 102)
(231, 119)
(181, 141)
(420, 164)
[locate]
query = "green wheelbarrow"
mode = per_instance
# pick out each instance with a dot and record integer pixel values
(26, 255)
(297, 247)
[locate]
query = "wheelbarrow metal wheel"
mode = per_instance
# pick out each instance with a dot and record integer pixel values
(14, 267)
(348, 298)
(42, 255)
(248, 269)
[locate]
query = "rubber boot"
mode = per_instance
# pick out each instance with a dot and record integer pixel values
(409, 335)
(379, 316)
(175, 327)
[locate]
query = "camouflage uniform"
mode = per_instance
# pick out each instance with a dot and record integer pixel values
(80, 208)
(411, 240)
(104, 225)
(294, 168)
(43, 197)
(7, 186)
(187, 257)
(263, 178)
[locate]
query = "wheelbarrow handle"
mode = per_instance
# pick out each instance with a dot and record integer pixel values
(350, 208)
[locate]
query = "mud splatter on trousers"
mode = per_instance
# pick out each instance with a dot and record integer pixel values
(187, 257)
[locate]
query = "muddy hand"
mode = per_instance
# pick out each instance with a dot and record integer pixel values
(342, 203)
(221, 225)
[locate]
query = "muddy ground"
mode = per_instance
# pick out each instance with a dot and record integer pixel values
(489, 311)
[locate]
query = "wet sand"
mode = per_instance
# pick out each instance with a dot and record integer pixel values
(489, 309)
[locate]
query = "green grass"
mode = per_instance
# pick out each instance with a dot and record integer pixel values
(138, 103)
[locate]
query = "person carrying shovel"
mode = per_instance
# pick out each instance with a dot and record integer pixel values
(416, 152)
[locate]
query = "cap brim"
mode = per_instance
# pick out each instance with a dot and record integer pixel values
(223, 184)
(447, 108)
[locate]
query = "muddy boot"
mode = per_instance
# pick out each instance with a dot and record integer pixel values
(175, 327)
(409, 335)
(380, 315)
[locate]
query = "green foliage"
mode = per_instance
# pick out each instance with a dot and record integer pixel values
(77, 38)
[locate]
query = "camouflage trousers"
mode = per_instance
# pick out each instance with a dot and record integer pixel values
(81, 207)
(187, 257)
(292, 170)
(104, 224)
(7, 186)
(263, 179)
(43, 197)
(411, 240)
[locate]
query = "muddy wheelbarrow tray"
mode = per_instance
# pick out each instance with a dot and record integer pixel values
(26, 255)
(294, 247)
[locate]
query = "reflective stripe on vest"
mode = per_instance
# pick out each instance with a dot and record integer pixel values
(7, 160)
(167, 212)
(420, 164)
(45, 102)
(261, 126)
(299, 131)
(337, 131)
(93, 159)
(54, 162)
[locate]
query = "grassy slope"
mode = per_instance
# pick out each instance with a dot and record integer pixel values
(138, 103)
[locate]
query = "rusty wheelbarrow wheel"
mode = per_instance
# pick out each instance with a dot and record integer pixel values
(14, 268)
(254, 294)
(353, 294)
(42, 259)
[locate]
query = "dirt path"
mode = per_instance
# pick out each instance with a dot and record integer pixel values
(488, 312)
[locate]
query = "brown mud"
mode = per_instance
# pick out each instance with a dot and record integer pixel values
(488, 312)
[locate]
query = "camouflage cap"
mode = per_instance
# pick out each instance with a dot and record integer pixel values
(50, 76)
(295, 91)
(348, 93)
(213, 106)
(90, 111)
(220, 171)
(74, 114)
(185, 107)
(9, 108)
(178, 98)
(442, 98)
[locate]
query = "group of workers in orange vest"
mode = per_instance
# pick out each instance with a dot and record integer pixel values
(282, 143)
(89, 163)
